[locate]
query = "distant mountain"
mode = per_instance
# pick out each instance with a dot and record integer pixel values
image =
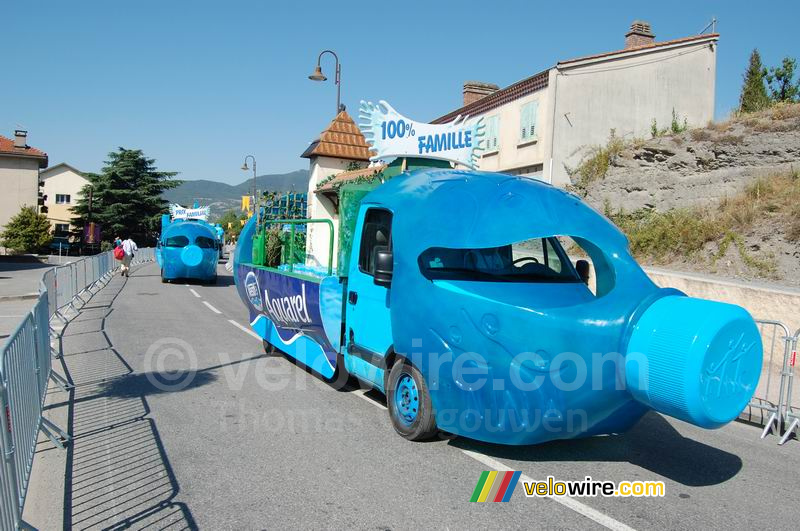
(222, 197)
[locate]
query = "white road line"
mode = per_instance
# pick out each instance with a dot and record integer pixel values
(194, 292)
(211, 307)
(571, 503)
(244, 329)
(362, 394)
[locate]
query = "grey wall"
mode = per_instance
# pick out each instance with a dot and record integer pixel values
(626, 93)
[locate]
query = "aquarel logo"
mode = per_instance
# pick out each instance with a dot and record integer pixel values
(253, 291)
(288, 310)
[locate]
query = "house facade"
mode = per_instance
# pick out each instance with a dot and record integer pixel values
(62, 185)
(19, 175)
(543, 125)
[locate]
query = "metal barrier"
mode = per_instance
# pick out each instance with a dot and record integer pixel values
(26, 370)
(791, 412)
(769, 395)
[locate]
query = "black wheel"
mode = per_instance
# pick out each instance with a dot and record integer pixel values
(163, 280)
(409, 403)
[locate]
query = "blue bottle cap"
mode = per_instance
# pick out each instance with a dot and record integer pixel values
(694, 359)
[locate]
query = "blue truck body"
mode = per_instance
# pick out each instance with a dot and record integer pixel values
(188, 249)
(502, 347)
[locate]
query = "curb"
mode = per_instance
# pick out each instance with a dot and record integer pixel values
(24, 297)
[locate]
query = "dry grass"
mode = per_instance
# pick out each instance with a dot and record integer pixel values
(595, 165)
(700, 135)
(729, 139)
(684, 233)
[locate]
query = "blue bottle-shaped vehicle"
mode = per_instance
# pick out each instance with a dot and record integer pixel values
(461, 304)
(187, 249)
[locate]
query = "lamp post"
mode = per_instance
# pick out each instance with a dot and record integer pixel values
(255, 191)
(319, 76)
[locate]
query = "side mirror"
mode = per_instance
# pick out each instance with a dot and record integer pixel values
(384, 267)
(583, 268)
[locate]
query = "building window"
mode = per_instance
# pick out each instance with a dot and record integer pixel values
(61, 229)
(527, 121)
(62, 199)
(492, 134)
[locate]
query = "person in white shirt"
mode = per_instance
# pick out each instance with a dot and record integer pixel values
(128, 247)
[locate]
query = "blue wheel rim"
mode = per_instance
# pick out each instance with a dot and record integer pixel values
(406, 399)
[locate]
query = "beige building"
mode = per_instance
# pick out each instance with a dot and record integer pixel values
(542, 125)
(19, 175)
(62, 184)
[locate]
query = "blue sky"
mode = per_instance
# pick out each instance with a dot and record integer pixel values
(198, 85)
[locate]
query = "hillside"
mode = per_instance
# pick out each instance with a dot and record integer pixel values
(221, 196)
(723, 199)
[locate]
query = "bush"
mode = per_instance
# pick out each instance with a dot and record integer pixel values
(27, 232)
(595, 165)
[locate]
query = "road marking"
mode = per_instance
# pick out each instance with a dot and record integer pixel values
(245, 329)
(570, 503)
(211, 307)
(194, 292)
(362, 394)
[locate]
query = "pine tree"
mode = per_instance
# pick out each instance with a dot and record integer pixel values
(781, 82)
(126, 197)
(754, 93)
(27, 232)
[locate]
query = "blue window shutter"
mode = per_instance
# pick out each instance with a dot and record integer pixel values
(524, 119)
(534, 110)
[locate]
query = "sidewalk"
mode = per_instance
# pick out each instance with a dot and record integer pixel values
(19, 288)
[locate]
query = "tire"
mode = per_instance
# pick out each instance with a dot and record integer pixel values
(405, 389)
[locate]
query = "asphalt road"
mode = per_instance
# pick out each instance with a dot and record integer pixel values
(252, 441)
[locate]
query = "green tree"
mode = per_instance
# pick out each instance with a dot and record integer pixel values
(754, 93)
(126, 197)
(232, 217)
(782, 87)
(27, 232)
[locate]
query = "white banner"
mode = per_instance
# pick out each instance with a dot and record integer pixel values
(179, 212)
(393, 135)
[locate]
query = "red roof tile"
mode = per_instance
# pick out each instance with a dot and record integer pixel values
(341, 139)
(644, 47)
(7, 148)
(351, 175)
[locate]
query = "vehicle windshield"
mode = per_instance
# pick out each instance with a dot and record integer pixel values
(204, 242)
(534, 260)
(177, 241)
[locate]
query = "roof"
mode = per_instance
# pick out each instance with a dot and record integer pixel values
(501, 97)
(7, 148)
(351, 175)
(540, 81)
(641, 48)
(341, 139)
(51, 169)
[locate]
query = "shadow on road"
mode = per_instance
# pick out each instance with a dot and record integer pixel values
(653, 444)
(118, 474)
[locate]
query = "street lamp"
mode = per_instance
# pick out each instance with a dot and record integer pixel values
(319, 76)
(255, 192)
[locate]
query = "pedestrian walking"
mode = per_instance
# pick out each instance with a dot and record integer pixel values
(129, 248)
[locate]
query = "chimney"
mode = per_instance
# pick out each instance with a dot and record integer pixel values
(476, 90)
(640, 35)
(20, 139)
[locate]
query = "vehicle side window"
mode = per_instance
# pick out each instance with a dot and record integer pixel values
(205, 243)
(376, 235)
(177, 241)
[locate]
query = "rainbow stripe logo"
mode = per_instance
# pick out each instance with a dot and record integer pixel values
(495, 486)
